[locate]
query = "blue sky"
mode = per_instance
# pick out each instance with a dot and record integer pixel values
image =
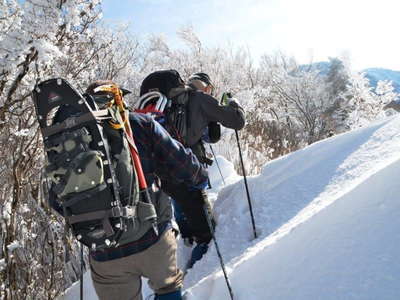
(367, 31)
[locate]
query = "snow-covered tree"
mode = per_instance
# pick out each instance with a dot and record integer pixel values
(39, 39)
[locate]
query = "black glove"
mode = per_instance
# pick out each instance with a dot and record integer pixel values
(214, 132)
(185, 231)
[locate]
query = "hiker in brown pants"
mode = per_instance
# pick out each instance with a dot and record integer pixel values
(142, 252)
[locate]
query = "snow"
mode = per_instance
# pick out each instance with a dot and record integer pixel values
(73, 293)
(327, 223)
(14, 245)
(3, 264)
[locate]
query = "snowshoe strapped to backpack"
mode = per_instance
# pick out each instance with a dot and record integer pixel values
(163, 95)
(93, 179)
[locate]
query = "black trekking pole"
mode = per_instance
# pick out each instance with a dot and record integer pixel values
(221, 261)
(247, 187)
(225, 96)
(81, 283)
(216, 161)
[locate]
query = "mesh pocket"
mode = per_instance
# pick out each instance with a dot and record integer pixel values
(86, 172)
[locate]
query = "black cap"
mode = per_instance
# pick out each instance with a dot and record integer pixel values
(202, 77)
(90, 89)
(125, 91)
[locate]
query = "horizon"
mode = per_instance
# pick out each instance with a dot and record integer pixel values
(284, 25)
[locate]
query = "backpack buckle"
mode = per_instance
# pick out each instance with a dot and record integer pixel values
(129, 211)
(125, 212)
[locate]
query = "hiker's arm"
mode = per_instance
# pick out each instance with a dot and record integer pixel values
(175, 162)
(231, 116)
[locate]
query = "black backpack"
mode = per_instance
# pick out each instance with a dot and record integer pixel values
(164, 95)
(161, 81)
(92, 180)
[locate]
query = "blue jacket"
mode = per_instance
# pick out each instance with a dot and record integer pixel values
(163, 156)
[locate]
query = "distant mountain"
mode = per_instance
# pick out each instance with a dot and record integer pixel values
(373, 74)
(322, 67)
(376, 74)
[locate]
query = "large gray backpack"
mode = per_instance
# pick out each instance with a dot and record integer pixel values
(92, 180)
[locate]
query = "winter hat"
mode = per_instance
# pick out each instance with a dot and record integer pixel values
(202, 77)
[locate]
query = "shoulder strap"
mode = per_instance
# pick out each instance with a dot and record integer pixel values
(75, 121)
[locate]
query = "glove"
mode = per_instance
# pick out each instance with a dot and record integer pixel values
(214, 132)
(227, 99)
(233, 102)
(185, 232)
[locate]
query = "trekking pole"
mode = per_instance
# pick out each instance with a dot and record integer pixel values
(81, 283)
(216, 161)
(225, 96)
(247, 187)
(221, 261)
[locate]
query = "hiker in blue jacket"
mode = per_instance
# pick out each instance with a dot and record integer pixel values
(117, 272)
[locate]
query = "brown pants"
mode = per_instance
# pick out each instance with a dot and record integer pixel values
(121, 278)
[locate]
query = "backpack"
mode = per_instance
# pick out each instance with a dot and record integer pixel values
(163, 81)
(92, 178)
(163, 94)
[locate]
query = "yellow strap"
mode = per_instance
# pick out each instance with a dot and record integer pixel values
(114, 89)
(116, 122)
(128, 137)
(115, 125)
(116, 102)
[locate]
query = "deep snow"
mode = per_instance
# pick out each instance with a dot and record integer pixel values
(327, 219)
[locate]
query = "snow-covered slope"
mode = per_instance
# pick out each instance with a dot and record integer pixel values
(332, 209)
(327, 220)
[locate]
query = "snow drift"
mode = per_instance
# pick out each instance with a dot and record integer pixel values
(327, 220)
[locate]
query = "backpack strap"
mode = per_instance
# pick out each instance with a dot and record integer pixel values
(75, 121)
(104, 215)
(179, 90)
(83, 196)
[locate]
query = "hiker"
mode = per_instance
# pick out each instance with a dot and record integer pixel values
(232, 116)
(116, 271)
(211, 135)
(201, 82)
(202, 109)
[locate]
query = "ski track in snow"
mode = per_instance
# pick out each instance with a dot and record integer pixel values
(303, 250)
